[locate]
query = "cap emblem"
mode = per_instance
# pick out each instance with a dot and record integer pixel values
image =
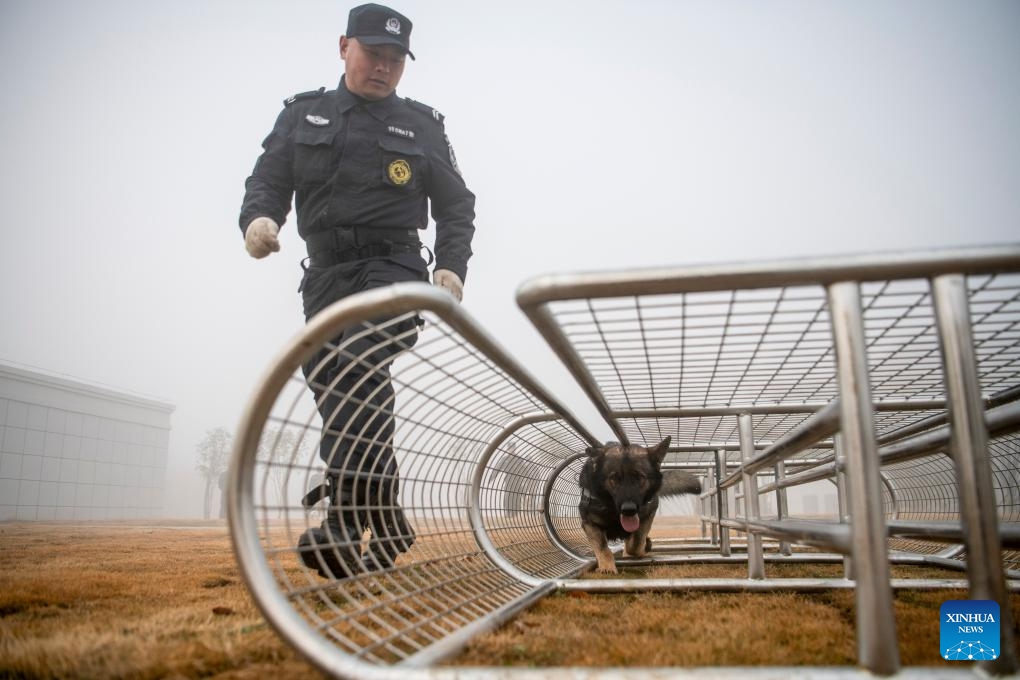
(399, 172)
(393, 26)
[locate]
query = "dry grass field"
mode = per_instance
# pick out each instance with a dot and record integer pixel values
(162, 600)
(712, 629)
(129, 601)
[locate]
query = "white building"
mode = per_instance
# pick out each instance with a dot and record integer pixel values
(71, 450)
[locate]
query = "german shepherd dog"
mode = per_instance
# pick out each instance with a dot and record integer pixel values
(620, 491)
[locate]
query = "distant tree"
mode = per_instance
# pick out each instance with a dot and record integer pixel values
(283, 450)
(213, 457)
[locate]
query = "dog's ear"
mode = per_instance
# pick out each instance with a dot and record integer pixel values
(594, 451)
(658, 452)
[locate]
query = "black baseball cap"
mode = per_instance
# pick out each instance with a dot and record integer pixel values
(375, 24)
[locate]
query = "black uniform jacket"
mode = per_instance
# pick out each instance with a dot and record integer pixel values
(353, 162)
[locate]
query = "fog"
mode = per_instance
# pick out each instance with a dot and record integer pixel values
(596, 135)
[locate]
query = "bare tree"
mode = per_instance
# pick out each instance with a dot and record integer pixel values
(282, 449)
(213, 456)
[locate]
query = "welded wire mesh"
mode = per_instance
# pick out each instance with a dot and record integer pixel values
(774, 347)
(406, 412)
(864, 374)
(683, 359)
(700, 349)
(450, 496)
(926, 489)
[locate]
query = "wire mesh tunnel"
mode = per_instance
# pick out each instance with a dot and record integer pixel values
(477, 442)
(894, 380)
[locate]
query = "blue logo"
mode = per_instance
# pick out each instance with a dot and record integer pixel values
(969, 630)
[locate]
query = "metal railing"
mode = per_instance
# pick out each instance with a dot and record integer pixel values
(823, 359)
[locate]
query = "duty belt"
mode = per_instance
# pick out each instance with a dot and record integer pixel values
(328, 258)
(347, 244)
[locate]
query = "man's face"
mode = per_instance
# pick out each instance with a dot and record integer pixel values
(372, 71)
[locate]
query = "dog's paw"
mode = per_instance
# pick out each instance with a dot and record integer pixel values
(611, 569)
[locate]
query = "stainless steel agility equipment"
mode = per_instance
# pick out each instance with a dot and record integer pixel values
(893, 379)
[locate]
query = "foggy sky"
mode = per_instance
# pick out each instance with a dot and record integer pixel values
(596, 135)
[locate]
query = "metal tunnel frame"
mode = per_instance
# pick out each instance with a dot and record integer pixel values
(894, 377)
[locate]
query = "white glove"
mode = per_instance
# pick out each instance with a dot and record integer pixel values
(260, 237)
(444, 278)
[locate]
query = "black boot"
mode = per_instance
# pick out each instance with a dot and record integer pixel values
(391, 534)
(334, 548)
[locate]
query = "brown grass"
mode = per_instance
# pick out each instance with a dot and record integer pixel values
(90, 601)
(699, 628)
(155, 601)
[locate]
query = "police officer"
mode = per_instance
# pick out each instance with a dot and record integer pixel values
(365, 166)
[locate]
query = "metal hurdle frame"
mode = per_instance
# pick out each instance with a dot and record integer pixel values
(490, 457)
(856, 465)
(480, 563)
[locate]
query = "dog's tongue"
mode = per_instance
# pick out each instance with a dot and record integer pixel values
(629, 522)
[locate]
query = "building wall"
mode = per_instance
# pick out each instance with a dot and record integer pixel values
(70, 450)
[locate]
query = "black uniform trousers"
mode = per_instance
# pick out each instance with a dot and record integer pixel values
(350, 380)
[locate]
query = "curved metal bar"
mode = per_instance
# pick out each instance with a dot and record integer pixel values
(276, 608)
(389, 301)
(891, 488)
(554, 535)
(546, 324)
(793, 272)
(474, 509)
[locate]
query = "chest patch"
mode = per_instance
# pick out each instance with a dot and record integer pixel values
(400, 132)
(399, 172)
(317, 121)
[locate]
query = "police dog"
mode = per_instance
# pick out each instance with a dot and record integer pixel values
(620, 491)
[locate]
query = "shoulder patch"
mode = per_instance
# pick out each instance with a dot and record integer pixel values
(304, 95)
(425, 109)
